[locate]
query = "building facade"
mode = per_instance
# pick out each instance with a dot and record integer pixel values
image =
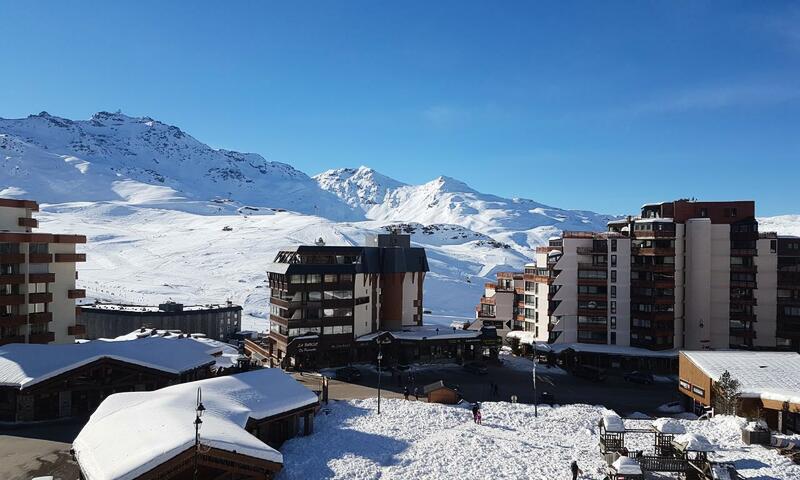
(107, 320)
(683, 274)
(324, 297)
(37, 279)
(502, 304)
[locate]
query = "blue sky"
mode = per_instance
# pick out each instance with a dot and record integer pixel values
(590, 105)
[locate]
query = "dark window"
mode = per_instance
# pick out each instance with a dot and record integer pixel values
(613, 339)
(613, 276)
(773, 246)
(703, 212)
(613, 322)
(613, 260)
(613, 244)
(613, 307)
(613, 291)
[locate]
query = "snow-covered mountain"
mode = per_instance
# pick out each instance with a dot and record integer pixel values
(519, 222)
(114, 157)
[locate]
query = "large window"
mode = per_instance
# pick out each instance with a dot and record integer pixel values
(337, 312)
(338, 294)
(338, 329)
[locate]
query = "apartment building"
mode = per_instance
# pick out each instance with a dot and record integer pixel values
(682, 275)
(324, 297)
(502, 305)
(37, 279)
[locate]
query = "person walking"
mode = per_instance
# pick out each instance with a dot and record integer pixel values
(575, 470)
(405, 392)
(475, 412)
(478, 417)
(416, 393)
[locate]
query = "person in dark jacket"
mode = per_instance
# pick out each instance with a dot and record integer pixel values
(405, 392)
(575, 470)
(475, 412)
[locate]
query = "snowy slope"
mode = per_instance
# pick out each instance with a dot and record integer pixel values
(520, 222)
(143, 161)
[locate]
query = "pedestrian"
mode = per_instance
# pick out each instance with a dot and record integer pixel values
(478, 417)
(416, 393)
(575, 470)
(405, 392)
(475, 412)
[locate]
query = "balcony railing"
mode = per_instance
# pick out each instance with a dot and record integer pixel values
(76, 293)
(45, 337)
(40, 258)
(41, 277)
(12, 258)
(13, 279)
(28, 222)
(592, 266)
(40, 317)
(13, 320)
(590, 251)
(70, 257)
(40, 297)
(14, 299)
(654, 251)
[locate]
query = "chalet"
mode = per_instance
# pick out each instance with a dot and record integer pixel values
(152, 435)
(769, 382)
(438, 392)
(45, 382)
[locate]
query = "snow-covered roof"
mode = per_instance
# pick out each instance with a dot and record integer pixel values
(122, 307)
(25, 364)
(627, 466)
(428, 332)
(668, 425)
(694, 442)
(225, 355)
(765, 375)
(621, 350)
(613, 423)
(133, 432)
(654, 220)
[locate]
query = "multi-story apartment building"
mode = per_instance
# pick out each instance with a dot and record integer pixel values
(37, 279)
(324, 297)
(684, 274)
(502, 304)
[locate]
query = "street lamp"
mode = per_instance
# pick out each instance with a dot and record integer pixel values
(535, 397)
(380, 357)
(199, 409)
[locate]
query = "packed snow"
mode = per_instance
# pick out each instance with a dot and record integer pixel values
(419, 440)
(130, 433)
(25, 364)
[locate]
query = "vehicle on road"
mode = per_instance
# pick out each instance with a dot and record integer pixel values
(476, 368)
(637, 376)
(589, 372)
(348, 374)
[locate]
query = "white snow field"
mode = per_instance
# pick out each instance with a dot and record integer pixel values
(418, 440)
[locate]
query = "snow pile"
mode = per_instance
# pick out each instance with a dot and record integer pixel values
(627, 466)
(131, 433)
(765, 375)
(694, 442)
(613, 423)
(25, 364)
(669, 426)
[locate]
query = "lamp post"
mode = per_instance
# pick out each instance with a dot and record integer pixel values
(380, 357)
(199, 409)
(535, 397)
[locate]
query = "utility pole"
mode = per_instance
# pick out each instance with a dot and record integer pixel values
(535, 397)
(197, 422)
(380, 357)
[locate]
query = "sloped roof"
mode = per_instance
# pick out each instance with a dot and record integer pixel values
(24, 364)
(132, 433)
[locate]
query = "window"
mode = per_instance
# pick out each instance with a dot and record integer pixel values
(613, 260)
(698, 391)
(314, 296)
(703, 212)
(337, 312)
(313, 278)
(613, 322)
(685, 385)
(613, 338)
(613, 276)
(613, 244)
(613, 291)
(338, 294)
(773, 246)
(338, 329)
(330, 278)
(346, 277)
(296, 278)
(613, 306)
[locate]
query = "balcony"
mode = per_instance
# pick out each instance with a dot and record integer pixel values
(40, 317)
(661, 268)
(70, 257)
(653, 234)
(76, 330)
(14, 339)
(592, 312)
(76, 293)
(480, 314)
(12, 258)
(653, 283)
(597, 282)
(590, 251)
(28, 222)
(40, 297)
(41, 277)
(588, 297)
(747, 317)
(45, 337)
(13, 320)
(653, 251)
(744, 268)
(12, 299)
(592, 266)
(40, 258)
(743, 252)
(13, 279)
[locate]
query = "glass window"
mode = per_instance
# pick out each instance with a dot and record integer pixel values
(313, 278)
(296, 278)
(330, 278)
(338, 294)
(314, 296)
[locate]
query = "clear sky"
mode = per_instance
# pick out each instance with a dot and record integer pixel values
(591, 105)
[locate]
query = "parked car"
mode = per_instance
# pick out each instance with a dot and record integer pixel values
(639, 377)
(588, 372)
(547, 397)
(476, 368)
(348, 374)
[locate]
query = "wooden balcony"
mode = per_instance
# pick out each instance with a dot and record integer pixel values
(597, 282)
(12, 258)
(13, 320)
(40, 258)
(41, 277)
(663, 268)
(588, 297)
(45, 337)
(76, 330)
(28, 222)
(40, 317)
(590, 251)
(653, 234)
(653, 251)
(592, 266)
(76, 293)
(13, 279)
(593, 312)
(40, 297)
(70, 257)
(12, 299)
(743, 252)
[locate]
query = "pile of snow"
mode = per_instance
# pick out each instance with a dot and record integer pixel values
(25, 364)
(613, 423)
(627, 466)
(766, 375)
(694, 442)
(133, 432)
(669, 426)
(430, 441)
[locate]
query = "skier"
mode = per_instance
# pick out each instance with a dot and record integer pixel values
(575, 470)
(405, 392)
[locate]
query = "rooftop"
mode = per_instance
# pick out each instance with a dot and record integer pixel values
(133, 432)
(122, 307)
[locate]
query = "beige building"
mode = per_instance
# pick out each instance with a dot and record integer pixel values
(502, 304)
(682, 275)
(37, 279)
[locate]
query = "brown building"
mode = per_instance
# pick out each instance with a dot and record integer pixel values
(502, 304)
(37, 279)
(769, 383)
(438, 392)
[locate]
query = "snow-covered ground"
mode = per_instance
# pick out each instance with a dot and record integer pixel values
(417, 440)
